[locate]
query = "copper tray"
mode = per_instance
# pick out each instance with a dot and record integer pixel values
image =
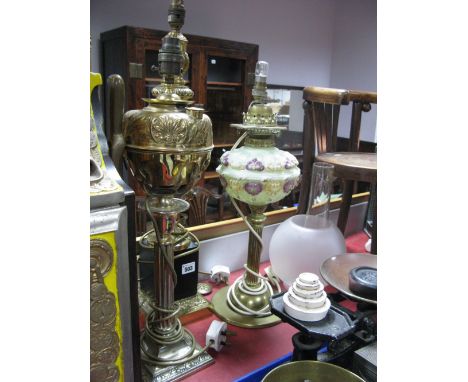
(335, 272)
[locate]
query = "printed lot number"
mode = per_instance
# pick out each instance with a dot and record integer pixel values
(188, 268)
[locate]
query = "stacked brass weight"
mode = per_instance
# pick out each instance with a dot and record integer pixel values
(167, 147)
(257, 173)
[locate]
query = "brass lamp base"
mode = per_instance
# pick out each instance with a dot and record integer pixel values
(181, 370)
(224, 311)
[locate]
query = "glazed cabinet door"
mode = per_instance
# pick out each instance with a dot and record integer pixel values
(226, 92)
(146, 52)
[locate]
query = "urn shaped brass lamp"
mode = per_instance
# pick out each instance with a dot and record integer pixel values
(257, 173)
(168, 145)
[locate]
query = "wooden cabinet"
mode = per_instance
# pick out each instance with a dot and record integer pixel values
(218, 73)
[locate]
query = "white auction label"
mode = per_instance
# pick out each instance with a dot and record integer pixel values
(188, 268)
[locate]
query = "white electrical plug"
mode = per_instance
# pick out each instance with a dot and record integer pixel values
(216, 335)
(368, 244)
(220, 273)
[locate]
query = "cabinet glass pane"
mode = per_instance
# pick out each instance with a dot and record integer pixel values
(223, 69)
(287, 104)
(148, 87)
(224, 106)
(151, 64)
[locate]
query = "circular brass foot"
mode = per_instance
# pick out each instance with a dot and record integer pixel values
(224, 311)
(257, 303)
(168, 352)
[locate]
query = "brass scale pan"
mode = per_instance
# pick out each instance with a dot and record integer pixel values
(336, 271)
(311, 371)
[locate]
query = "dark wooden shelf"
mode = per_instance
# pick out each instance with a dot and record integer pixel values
(152, 79)
(159, 80)
(223, 144)
(210, 175)
(216, 83)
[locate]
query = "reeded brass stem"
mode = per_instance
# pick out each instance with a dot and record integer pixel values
(163, 282)
(256, 219)
(164, 221)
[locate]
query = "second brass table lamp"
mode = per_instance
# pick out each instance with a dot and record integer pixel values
(257, 173)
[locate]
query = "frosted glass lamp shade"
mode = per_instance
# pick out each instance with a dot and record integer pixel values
(301, 244)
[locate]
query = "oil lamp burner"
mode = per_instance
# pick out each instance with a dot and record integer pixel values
(257, 173)
(168, 145)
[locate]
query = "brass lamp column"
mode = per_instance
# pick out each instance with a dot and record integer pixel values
(167, 147)
(176, 19)
(257, 174)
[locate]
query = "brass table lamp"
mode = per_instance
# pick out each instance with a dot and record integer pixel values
(257, 174)
(167, 147)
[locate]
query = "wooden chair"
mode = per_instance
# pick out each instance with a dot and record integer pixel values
(198, 199)
(321, 112)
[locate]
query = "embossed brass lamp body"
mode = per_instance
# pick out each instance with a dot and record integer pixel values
(168, 146)
(257, 174)
(167, 149)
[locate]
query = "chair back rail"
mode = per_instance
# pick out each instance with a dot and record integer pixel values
(198, 199)
(321, 116)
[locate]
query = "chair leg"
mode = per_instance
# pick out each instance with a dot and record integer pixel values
(345, 204)
(221, 208)
(374, 226)
(220, 202)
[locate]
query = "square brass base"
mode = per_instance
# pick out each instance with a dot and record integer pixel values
(177, 372)
(192, 304)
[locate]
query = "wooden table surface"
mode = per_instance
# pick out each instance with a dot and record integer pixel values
(353, 166)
